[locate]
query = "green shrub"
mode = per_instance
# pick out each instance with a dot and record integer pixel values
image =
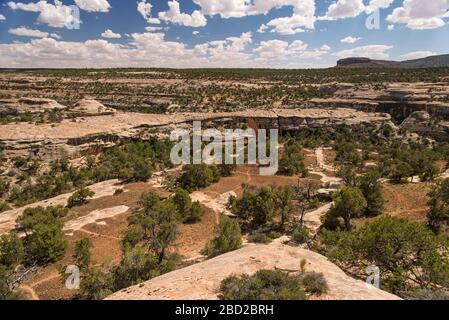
(291, 162)
(300, 235)
(6, 284)
(80, 197)
(228, 237)
(118, 192)
(4, 207)
(11, 250)
(314, 283)
(264, 285)
(44, 238)
(199, 176)
(82, 253)
(407, 253)
(138, 265)
(259, 238)
(4, 187)
(190, 212)
(97, 283)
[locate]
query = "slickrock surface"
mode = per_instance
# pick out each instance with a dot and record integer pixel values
(102, 189)
(200, 281)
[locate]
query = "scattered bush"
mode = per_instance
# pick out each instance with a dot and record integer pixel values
(4, 207)
(292, 160)
(191, 212)
(259, 238)
(349, 203)
(408, 254)
(199, 176)
(82, 253)
(118, 192)
(11, 251)
(314, 283)
(228, 237)
(300, 235)
(44, 238)
(97, 283)
(80, 197)
(264, 285)
(439, 206)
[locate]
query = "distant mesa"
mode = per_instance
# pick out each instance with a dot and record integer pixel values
(362, 62)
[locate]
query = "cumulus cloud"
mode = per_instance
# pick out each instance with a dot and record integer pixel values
(144, 9)
(2, 18)
(350, 39)
(343, 9)
(55, 15)
(417, 55)
(174, 15)
(420, 14)
(371, 51)
(25, 32)
(378, 4)
(303, 13)
(150, 49)
(111, 35)
(279, 52)
(153, 29)
(93, 5)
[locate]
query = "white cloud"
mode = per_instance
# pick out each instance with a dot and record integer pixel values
(144, 9)
(55, 15)
(350, 39)
(325, 47)
(153, 29)
(25, 32)
(111, 35)
(371, 51)
(279, 52)
(417, 55)
(2, 17)
(378, 4)
(151, 49)
(343, 9)
(93, 5)
(195, 33)
(420, 14)
(263, 28)
(390, 27)
(303, 12)
(174, 15)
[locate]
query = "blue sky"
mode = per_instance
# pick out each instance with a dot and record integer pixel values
(213, 33)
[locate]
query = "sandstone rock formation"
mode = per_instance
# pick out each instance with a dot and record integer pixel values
(28, 105)
(77, 138)
(201, 281)
(91, 107)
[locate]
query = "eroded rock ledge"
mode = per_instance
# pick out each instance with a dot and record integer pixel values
(78, 138)
(201, 281)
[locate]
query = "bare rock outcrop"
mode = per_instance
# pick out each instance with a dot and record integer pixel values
(91, 107)
(28, 105)
(421, 122)
(77, 138)
(201, 280)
